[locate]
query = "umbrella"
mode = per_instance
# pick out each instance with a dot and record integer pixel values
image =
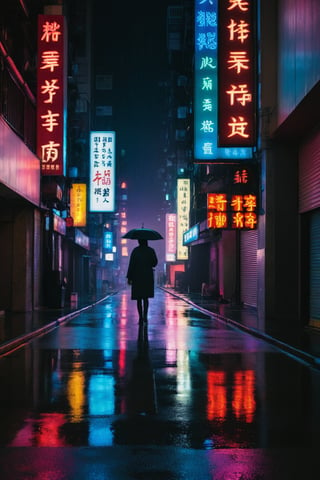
(143, 234)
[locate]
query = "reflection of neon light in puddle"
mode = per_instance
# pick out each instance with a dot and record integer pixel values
(217, 395)
(76, 395)
(243, 401)
(101, 402)
(42, 432)
(123, 310)
(183, 374)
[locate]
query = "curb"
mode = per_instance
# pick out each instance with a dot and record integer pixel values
(18, 342)
(300, 355)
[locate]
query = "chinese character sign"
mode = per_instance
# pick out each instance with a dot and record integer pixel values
(102, 171)
(183, 212)
(236, 73)
(232, 211)
(51, 94)
(78, 204)
(206, 71)
(171, 237)
(206, 63)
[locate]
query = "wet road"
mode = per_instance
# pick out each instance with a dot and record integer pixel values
(183, 397)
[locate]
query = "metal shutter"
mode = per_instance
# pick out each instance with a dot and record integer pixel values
(248, 267)
(314, 302)
(309, 174)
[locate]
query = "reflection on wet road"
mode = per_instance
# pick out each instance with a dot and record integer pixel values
(183, 380)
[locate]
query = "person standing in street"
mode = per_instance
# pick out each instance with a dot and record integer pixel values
(140, 276)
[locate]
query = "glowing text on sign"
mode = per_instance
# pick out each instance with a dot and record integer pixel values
(51, 91)
(78, 204)
(227, 211)
(171, 237)
(236, 74)
(102, 171)
(206, 45)
(206, 35)
(183, 212)
(108, 241)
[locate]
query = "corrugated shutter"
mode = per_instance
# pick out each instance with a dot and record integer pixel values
(314, 301)
(248, 267)
(309, 174)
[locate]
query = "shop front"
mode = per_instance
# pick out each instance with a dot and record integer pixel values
(20, 224)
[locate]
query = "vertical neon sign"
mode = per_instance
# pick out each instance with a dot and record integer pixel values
(171, 237)
(51, 94)
(183, 211)
(236, 73)
(206, 71)
(205, 111)
(78, 204)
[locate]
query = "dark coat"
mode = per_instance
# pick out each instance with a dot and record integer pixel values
(140, 272)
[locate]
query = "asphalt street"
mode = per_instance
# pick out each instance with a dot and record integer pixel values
(183, 396)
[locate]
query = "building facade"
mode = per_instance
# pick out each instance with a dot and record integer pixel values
(273, 268)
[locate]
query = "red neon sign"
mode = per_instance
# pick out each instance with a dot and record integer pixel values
(51, 91)
(232, 211)
(236, 74)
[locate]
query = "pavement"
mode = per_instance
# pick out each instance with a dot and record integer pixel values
(303, 343)
(16, 329)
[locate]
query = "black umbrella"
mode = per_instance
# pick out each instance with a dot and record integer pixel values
(143, 234)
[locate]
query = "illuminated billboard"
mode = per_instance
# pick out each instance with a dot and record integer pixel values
(78, 204)
(51, 94)
(236, 74)
(171, 237)
(206, 47)
(102, 171)
(183, 212)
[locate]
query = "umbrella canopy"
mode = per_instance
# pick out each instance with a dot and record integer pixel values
(143, 234)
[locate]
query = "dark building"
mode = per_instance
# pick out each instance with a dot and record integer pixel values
(274, 267)
(21, 213)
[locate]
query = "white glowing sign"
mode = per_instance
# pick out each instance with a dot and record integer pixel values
(102, 171)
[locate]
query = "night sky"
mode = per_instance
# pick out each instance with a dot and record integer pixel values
(137, 34)
(140, 67)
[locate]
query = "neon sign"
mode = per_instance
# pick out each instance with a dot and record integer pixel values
(171, 237)
(191, 235)
(206, 80)
(206, 148)
(236, 72)
(78, 204)
(51, 94)
(108, 241)
(183, 210)
(227, 211)
(235, 205)
(102, 171)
